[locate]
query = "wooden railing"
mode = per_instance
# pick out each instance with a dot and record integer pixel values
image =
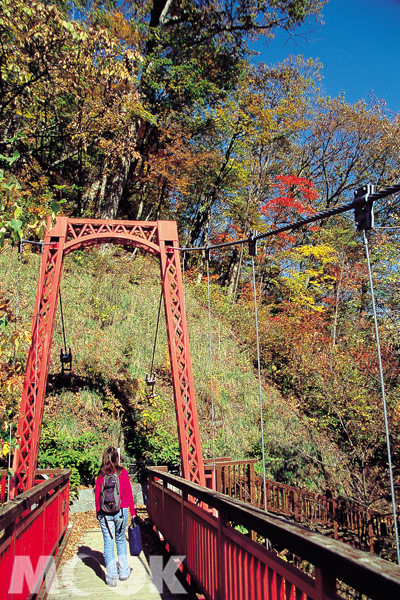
(33, 529)
(201, 525)
(237, 479)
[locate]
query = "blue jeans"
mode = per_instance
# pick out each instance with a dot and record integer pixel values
(117, 524)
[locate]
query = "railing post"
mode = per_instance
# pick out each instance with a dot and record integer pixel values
(222, 521)
(325, 584)
(370, 542)
(335, 520)
(252, 487)
(218, 475)
(3, 482)
(252, 493)
(184, 530)
(150, 495)
(296, 506)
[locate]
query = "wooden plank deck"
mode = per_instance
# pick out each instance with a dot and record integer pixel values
(84, 576)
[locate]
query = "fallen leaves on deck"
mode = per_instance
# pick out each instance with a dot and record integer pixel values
(87, 521)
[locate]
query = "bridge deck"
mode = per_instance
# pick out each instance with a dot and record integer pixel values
(84, 575)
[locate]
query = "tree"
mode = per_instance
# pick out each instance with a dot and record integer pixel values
(63, 126)
(251, 131)
(346, 146)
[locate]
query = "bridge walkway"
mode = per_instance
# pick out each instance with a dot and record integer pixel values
(83, 575)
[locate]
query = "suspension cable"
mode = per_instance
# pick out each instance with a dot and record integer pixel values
(357, 202)
(156, 335)
(62, 320)
(211, 361)
(383, 399)
(21, 250)
(259, 383)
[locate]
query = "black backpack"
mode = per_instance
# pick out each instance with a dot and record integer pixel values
(110, 500)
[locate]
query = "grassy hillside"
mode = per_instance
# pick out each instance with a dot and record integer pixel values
(110, 303)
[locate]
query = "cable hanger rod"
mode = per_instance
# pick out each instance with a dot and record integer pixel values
(156, 335)
(62, 321)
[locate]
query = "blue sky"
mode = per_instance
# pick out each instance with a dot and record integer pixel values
(359, 47)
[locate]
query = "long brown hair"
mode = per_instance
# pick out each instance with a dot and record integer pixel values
(110, 462)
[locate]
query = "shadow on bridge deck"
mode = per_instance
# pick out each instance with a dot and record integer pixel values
(83, 575)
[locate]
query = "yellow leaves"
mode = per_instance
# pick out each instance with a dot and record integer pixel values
(309, 279)
(14, 382)
(263, 107)
(124, 31)
(154, 412)
(6, 449)
(396, 413)
(25, 114)
(322, 253)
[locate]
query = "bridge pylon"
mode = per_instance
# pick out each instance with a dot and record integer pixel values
(160, 238)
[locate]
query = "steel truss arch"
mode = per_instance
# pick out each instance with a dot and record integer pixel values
(160, 238)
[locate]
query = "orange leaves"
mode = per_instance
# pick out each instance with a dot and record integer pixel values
(295, 196)
(173, 162)
(287, 183)
(293, 199)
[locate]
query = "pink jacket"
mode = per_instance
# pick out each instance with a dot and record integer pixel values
(125, 491)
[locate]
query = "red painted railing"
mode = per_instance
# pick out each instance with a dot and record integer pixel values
(3, 486)
(33, 530)
(198, 523)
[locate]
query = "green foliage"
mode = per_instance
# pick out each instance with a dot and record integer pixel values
(81, 453)
(163, 447)
(10, 207)
(103, 312)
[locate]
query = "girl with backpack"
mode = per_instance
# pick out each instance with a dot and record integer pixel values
(113, 495)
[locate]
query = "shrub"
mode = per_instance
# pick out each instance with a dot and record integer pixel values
(81, 453)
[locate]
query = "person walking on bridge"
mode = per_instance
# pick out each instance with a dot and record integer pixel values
(113, 495)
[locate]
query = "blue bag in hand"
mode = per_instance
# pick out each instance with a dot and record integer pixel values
(135, 539)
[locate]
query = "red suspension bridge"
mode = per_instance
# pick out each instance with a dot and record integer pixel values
(193, 520)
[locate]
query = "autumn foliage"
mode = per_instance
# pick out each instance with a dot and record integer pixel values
(136, 112)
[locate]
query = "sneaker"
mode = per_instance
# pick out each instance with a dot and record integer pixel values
(127, 577)
(112, 582)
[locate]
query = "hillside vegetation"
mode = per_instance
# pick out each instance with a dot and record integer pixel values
(110, 304)
(166, 113)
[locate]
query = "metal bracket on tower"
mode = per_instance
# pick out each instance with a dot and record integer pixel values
(253, 243)
(364, 211)
(207, 251)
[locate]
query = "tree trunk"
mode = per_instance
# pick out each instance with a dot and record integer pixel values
(335, 316)
(117, 189)
(141, 203)
(201, 221)
(203, 254)
(234, 271)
